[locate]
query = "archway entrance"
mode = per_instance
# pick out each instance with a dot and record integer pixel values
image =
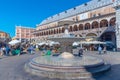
(110, 39)
(108, 36)
(91, 35)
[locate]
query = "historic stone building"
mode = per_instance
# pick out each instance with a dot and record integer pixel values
(24, 33)
(96, 18)
(4, 36)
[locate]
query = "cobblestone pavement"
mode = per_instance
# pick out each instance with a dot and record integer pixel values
(12, 67)
(114, 59)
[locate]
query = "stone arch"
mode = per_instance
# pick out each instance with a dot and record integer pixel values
(38, 34)
(54, 31)
(104, 23)
(60, 30)
(80, 26)
(42, 33)
(63, 29)
(87, 26)
(45, 32)
(57, 31)
(48, 32)
(70, 29)
(91, 35)
(51, 31)
(95, 24)
(78, 35)
(112, 21)
(75, 28)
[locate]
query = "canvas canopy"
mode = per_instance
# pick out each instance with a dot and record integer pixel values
(91, 42)
(13, 42)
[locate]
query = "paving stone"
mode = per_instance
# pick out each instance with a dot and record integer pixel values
(12, 67)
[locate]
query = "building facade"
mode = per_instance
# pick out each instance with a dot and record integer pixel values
(97, 18)
(4, 36)
(24, 33)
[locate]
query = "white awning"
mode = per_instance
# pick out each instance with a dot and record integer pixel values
(91, 42)
(13, 42)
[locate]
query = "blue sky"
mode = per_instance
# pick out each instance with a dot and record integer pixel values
(30, 12)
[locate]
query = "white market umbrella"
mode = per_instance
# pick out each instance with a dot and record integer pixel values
(42, 43)
(13, 42)
(91, 42)
(75, 44)
(97, 42)
(53, 43)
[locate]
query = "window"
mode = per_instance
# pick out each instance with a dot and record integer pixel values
(65, 11)
(74, 8)
(85, 4)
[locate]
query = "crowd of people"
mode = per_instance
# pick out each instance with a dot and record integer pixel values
(18, 49)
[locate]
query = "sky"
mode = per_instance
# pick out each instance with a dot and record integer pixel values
(30, 12)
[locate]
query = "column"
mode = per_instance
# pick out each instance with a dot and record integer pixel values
(116, 5)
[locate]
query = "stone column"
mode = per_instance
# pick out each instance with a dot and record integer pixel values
(116, 5)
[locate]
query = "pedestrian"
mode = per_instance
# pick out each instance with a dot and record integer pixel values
(7, 50)
(48, 52)
(104, 50)
(30, 49)
(80, 52)
(99, 49)
(3, 50)
(18, 50)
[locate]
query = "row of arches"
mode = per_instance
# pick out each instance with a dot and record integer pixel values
(53, 31)
(86, 26)
(95, 24)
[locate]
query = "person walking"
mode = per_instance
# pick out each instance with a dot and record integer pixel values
(30, 49)
(7, 50)
(80, 52)
(99, 49)
(104, 50)
(3, 50)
